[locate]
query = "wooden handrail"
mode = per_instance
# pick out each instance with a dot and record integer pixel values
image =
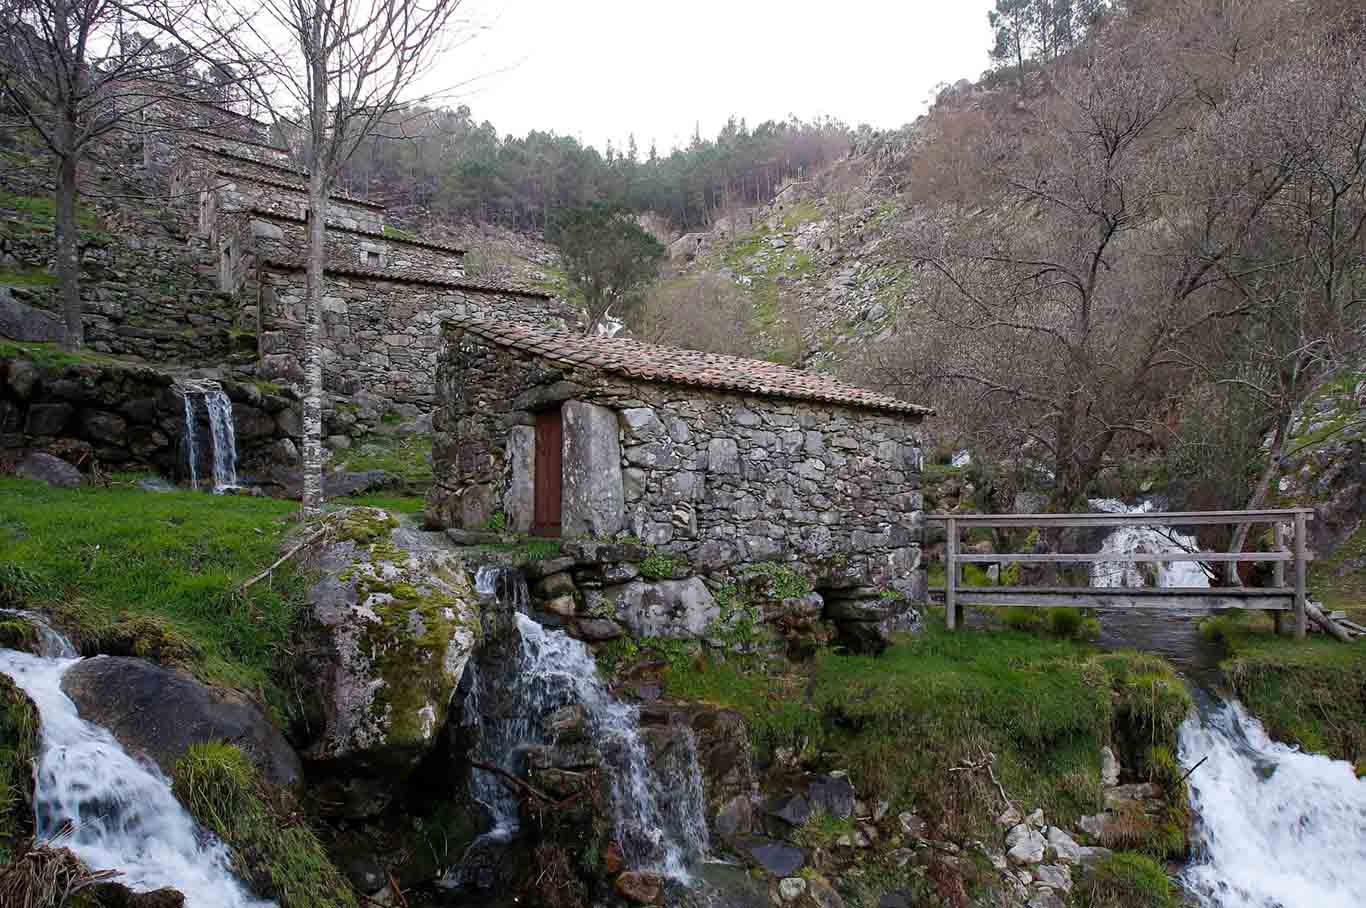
(1277, 599)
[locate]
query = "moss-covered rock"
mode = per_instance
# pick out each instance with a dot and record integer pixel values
(390, 626)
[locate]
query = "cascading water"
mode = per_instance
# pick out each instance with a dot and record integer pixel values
(658, 812)
(1276, 828)
(1152, 540)
(113, 811)
(222, 437)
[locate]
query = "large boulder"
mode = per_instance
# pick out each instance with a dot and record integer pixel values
(52, 470)
(592, 492)
(390, 625)
(23, 322)
(160, 712)
(665, 608)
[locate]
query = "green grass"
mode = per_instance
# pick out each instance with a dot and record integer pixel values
(49, 355)
(1125, 880)
(42, 210)
(1337, 583)
(18, 744)
(154, 574)
(407, 456)
(275, 850)
(1311, 693)
(395, 233)
(27, 277)
(1044, 707)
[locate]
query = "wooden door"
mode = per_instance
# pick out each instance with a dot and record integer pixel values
(549, 467)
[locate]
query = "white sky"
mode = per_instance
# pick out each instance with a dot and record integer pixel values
(599, 69)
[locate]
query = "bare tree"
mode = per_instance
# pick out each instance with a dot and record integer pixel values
(1055, 311)
(335, 72)
(74, 71)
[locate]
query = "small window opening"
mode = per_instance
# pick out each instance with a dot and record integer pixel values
(372, 259)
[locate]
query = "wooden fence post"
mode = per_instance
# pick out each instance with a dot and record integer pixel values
(1278, 573)
(951, 575)
(1301, 554)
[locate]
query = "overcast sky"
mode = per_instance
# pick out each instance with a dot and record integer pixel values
(600, 69)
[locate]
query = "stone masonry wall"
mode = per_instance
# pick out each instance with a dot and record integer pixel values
(357, 248)
(380, 334)
(719, 478)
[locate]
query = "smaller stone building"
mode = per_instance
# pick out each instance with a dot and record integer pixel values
(720, 460)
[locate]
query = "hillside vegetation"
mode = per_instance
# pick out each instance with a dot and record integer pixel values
(1143, 254)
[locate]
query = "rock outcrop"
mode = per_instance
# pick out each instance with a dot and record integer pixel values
(160, 712)
(390, 626)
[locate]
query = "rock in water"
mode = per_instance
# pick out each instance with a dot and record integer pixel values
(160, 712)
(389, 628)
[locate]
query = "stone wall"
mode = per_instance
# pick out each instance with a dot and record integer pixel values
(219, 179)
(126, 417)
(141, 295)
(717, 478)
(380, 334)
(284, 237)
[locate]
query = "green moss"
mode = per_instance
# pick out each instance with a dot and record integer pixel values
(365, 526)
(822, 830)
(787, 583)
(41, 210)
(18, 745)
(395, 233)
(271, 846)
(408, 505)
(406, 456)
(497, 522)
(155, 573)
(418, 611)
(1125, 881)
(659, 566)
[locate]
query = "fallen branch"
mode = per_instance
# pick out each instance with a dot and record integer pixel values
(985, 763)
(1326, 624)
(516, 782)
(1191, 770)
(283, 558)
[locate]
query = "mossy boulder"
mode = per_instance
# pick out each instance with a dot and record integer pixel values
(390, 625)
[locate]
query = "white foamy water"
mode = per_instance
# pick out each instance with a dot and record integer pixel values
(563, 669)
(1152, 540)
(222, 435)
(1277, 828)
(114, 812)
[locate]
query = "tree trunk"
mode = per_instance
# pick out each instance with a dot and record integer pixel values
(1262, 489)
(313, 353)
(68, 253)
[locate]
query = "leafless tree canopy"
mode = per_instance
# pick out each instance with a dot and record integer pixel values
(1185, 208)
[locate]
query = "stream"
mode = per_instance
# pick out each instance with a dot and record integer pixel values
(113, 811)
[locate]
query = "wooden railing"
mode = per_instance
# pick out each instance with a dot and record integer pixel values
(1277, 598)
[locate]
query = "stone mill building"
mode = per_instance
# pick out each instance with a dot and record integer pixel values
(719, 460)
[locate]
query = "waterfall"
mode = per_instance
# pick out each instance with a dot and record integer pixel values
(222, 437)
(1151, 540)
(658, 814)
(1277, 828)
(113, 811)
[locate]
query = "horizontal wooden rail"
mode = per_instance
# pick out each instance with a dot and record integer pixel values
(1100, 558)
(1278, 598)
(1137, 519)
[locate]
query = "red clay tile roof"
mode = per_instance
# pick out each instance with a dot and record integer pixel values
(671, 365)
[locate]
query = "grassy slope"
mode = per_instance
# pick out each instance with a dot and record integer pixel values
(936, 700)
(154, 573)
(1310, 693)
